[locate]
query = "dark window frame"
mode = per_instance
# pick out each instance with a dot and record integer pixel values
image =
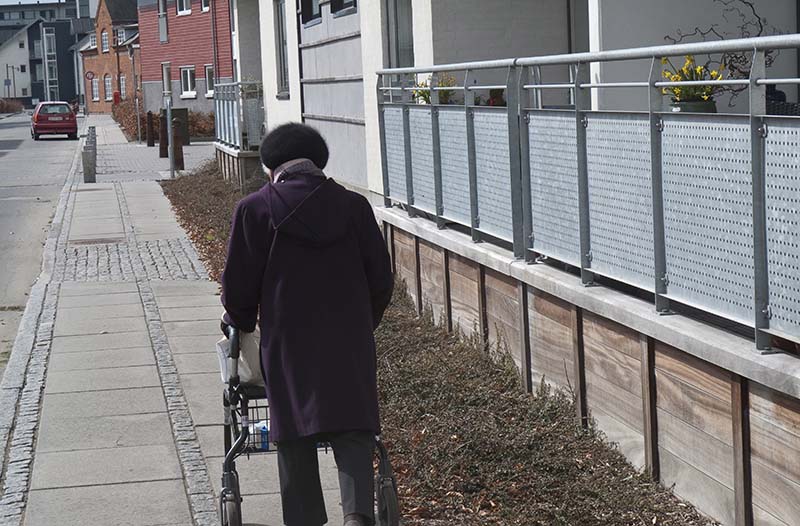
(307, 15)
(343, 7)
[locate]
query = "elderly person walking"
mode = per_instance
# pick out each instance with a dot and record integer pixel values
(306, 260)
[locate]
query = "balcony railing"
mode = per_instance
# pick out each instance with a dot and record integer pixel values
(239, 109)
(698, 209)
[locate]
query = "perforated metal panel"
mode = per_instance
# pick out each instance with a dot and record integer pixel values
(620, 197)
(783, 223)
(455, 165)
(419, 120)
(395, 152)
(494, 172)
(554, 185)
(708, 213)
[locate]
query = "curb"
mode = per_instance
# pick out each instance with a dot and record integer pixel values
(22, 385)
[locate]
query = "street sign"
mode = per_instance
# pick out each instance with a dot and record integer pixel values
(89, 75)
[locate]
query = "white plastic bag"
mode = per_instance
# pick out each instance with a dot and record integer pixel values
(249, 358)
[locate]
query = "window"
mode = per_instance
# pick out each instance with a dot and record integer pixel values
(107, 87)
(187, 83)
(30, 15)
(55, 109)
(122, 87)
(104, 41)
(22, 44)
(71, 12)
(209, 81)
(163, 33)
(24, 92)
(22, 68)
(95, 89)
(119, 36)
(281, 56)
(205, 5)
(184, 6)
(14, 15)
(310, 11)
(166, 78)
(401, 33)
(93, 40)
(83, 8)
(39, 71)
(339, 6)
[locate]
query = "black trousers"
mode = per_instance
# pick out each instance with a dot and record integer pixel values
(301, 489)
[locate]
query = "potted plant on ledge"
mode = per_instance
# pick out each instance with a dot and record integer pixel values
(694, 98)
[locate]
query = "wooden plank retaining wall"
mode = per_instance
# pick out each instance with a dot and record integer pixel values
(728, 445)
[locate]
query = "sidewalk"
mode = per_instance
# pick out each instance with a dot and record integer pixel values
(113, 382)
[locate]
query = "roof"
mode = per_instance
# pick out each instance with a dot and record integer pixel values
(122, 10)
(81, 44)
(6, 38)
(133, 39)
(81, 26)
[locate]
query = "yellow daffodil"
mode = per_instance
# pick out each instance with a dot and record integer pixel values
(664, 60)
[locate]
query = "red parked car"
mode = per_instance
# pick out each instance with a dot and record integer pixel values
(54, 118)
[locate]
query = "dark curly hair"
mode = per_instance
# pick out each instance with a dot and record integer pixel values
(293, 141)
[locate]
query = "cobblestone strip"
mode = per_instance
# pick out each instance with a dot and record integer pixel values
(195, 472)
(19, 461)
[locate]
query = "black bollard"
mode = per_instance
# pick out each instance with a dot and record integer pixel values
(178, 149)
(163, 137)
(150, 130)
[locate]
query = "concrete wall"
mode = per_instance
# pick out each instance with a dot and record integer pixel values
(689, 403)
(625, 23)
(279, 111)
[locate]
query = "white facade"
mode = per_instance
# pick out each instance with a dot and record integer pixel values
(451, 31)
(15, 66)
(246, 40)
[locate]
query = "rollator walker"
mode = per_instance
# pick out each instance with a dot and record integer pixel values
(246, 432)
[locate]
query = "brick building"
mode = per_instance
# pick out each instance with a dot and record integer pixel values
(186, 45)
(111, 58)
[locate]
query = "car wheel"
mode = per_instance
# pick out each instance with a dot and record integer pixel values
(35, 136)
(73, 136)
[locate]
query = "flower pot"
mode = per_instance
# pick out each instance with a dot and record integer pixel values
(694, 106)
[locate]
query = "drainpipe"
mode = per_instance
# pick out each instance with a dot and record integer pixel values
(214, 38)
(299, 19)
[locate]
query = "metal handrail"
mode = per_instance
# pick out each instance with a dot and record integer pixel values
(718, 46)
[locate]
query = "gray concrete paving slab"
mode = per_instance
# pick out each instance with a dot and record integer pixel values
(124, 298)
(211, 444)
(77, 314)
(99, 342)
(196, 300)
(96, 326)
(204, 395)
(71, 434)
(105, 466)
(192, 328)
(259, 474)
(192, 363)
(102, 379)
(77, 288)
(183, 288)
(159, 503)
(190, 313)
(104, 403)
(103, 359)
(193, 344)
(266, 510)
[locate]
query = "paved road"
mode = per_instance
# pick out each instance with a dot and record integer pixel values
(31, 176)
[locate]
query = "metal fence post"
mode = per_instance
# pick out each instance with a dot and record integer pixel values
(656, 99)
(437, 151)
(515, 161)
(582, 104)
(469, 102)
(387, 201)
(406, 100)
(758, 132)
(525, 104)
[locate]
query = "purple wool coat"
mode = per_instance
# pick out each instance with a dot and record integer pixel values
(317, 302)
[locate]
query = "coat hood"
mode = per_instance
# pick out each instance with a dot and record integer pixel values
(306, 205)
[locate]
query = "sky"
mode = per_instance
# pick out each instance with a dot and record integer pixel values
(26, 2)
